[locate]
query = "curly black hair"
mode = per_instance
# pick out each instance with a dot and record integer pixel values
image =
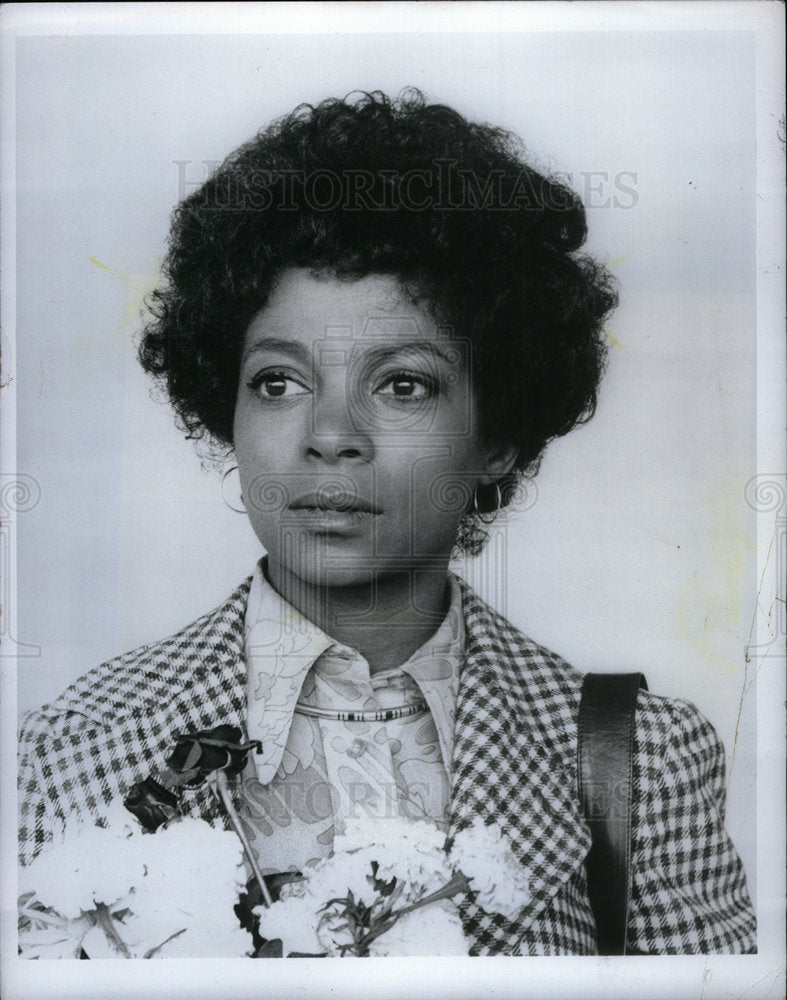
(370, 185)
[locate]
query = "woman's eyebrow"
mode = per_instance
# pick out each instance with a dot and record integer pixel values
(294, 348)
(376, 355)
(379, 354)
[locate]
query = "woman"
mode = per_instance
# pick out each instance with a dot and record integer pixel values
(379, 309)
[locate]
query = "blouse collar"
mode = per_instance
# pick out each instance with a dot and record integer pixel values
(281, 646)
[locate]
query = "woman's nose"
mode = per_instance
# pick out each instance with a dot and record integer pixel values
(336, 432)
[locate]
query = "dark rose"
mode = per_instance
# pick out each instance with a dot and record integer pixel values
(151, 803)
(197, 755)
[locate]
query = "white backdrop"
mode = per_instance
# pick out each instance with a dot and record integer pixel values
(639, 552)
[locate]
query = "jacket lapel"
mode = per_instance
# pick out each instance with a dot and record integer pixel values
(203, 672)
(513, 763)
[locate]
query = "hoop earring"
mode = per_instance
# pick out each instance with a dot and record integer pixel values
(238, 510)
(489, 517)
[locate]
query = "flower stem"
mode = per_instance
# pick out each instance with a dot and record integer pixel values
(218, 782)
(104, 921)
(457, 884)
(152, 951)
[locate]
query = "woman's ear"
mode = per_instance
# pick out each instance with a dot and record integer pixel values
(500, 460)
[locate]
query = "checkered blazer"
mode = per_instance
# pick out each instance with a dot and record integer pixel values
(514, 763)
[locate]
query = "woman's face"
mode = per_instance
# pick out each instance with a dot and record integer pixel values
(356, 430)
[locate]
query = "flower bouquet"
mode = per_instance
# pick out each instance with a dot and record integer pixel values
(137, 887)
(391, 888)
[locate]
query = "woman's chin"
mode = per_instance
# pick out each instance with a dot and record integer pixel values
(339, 565)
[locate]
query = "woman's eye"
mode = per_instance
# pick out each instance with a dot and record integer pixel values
(276, 385)
(406, 387)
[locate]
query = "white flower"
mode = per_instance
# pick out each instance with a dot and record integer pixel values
(295, 917)
(411, 852)
(485, 856)
(170, 893)
(194, 876)
(390, 831)
(88, 865)
(294, 921)
(435, 929)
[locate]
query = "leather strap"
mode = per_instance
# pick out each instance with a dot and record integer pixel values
(604, 765)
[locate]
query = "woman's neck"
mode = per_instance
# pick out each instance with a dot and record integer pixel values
(386, 618)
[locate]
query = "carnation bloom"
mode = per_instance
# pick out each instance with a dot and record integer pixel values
(384, 866)
(435, 929)
(88, 865)
(169, 894)
(195, 874)
(410, 850)
(485, 856)
(294, 921)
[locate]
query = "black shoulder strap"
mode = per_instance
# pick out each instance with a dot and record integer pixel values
(604, 762)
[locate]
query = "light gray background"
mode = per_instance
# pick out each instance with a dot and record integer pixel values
(639, 552)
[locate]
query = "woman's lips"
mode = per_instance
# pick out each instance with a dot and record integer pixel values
(328, 521)
(331, 513)
(335, 503)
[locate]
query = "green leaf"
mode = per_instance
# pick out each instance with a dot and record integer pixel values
(193, 757)
(337, 899)
(174, 779)
(271, 949)
(380, 885)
